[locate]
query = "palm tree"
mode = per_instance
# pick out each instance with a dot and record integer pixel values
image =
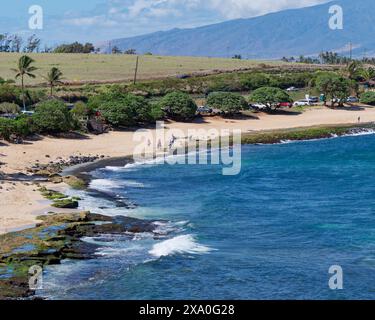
(54, 77)
(353, 69)
(367, 74)
(24, 68)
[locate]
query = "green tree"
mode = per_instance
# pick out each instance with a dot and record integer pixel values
(123, 109)
(367, 74)
(8, 107)
(116, 50)
(21, 127)
(81, 110)
(52, 116)
(335, 87)
(353, 70)
(75, 47)
(24, 68)
(254, 81)
(179, 106)
(368, 98)
(229, 103)
(269, 96)
(53, 78)
(10, 93)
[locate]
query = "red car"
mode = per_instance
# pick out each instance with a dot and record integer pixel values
(285, 104)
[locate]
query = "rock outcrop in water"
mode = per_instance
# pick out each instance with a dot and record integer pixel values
(57, 237)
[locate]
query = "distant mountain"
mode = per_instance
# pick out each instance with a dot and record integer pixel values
(285, 33)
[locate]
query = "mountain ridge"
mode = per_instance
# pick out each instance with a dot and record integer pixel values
(291, 32)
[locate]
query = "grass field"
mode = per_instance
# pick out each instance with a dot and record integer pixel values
(89, 68)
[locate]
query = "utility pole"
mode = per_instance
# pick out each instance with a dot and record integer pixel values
(136, 70)
(351, 50)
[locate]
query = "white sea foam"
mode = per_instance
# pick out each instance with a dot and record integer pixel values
(354, 133)
(178, 245)
(361, 132)
(108, 185)
(165, 228)
(158, 160)
(150, 162)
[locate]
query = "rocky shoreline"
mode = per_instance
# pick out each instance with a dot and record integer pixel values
(59, 236)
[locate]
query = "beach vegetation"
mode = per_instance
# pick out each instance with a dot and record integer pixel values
(368, 98)
(334, 87)
(82, 110)
(20, 127)
(254, 81)
(10, 108)
(10, 93)
(178, 106)
(52, 116)
(296, 134)
(227, 102)
(123, 109)
(269, 96)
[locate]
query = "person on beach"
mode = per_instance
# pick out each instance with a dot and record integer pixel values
(359, 119)
(159, 144)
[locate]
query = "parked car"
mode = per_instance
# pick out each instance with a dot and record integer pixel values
(301, 103)
(204, 109)
(291, 89)
(259, 106)
(336, 100)
(352, 100)
(27, 113)
(8, 115)
(314, 99)
(285, 105)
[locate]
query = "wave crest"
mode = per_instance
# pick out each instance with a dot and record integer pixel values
(178, 245)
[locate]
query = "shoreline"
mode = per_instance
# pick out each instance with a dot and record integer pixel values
(77, 224)
(19, 213)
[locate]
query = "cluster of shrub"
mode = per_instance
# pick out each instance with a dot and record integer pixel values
(116, 107)
(228, 82)
(368, 98)
(11, 93)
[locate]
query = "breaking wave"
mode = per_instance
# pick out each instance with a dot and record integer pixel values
(178, 245)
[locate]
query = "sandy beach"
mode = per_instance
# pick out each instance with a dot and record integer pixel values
(21, 202)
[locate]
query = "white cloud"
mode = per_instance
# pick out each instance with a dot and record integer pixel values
(227, 9)
(219, 10)
(244, 8)
(123, 18)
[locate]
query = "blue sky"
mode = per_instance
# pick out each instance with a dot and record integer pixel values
(101, 20)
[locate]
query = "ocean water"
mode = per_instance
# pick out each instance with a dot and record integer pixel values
(271, 232)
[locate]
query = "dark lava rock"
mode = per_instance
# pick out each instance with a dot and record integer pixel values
(58, 237)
